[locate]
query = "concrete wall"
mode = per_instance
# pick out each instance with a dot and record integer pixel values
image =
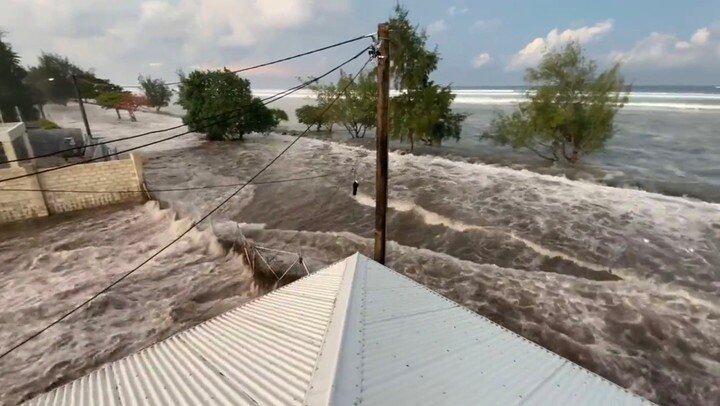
(20, 205)
(62, 189)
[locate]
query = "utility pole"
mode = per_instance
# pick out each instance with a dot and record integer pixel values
(381, 140)
(82, 108)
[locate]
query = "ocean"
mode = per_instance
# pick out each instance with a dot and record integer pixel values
(667, 139)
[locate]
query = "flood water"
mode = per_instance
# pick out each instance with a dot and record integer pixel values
(624, 282)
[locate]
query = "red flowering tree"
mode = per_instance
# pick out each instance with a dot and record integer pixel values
(131, 103)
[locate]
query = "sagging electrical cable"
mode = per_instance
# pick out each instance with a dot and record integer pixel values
(237, 111)
(268, 99)
(192, 226)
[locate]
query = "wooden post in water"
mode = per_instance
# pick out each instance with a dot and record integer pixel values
(82, 109)
(381, 140)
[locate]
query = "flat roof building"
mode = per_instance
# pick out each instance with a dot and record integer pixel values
(353, 333)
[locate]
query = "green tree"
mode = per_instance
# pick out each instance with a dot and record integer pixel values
(111, 100)
(310, 116)
(571, 107)
(208, 93)
(327, 111)
(52, 77)
(156, 91)
(13, 91)
(357, 106)
(422, 111)
(424, 114)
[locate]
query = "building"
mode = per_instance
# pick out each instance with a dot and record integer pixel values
(14, 144)
(353, 333)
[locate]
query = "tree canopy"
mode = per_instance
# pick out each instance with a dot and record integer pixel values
(207, 93)
(156, 91)
(52, 81)
(571, 107)
(310, 116)
(13, 91)
(422, 110)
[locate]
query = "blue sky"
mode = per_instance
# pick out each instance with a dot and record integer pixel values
(481, 42)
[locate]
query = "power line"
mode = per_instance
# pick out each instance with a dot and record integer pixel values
(337, 44)
(267, 100)
(194, 224)
(267, 182)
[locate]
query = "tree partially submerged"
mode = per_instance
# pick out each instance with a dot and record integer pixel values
(120, 100)
(111, 100)
(357, 106)
(310, 116)
(422, 111)
(207, 93)
(571, 108)
(131, 103)
(156, 91)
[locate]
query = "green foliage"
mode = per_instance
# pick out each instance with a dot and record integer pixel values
(52, 81)
(13, 91)
(422, 110)
(58, 68)
(357, 106)
(350, 103)
(280, 115)
(424, 114)
(207, 93)
(328, 112)
(310, 116)
(571, 108)
(410, 62)
(46, 124)
(110, 100)
(156, 91)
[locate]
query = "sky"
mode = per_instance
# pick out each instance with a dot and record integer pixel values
(482, 43)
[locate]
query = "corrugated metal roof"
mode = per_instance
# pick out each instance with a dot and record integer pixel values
(353, 333)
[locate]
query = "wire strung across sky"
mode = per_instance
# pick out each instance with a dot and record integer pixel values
(194, 224)
(237, 111)
(268, 99)
(337, 44)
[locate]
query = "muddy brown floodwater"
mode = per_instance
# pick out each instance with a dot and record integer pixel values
(621, 281)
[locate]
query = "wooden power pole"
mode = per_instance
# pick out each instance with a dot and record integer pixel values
(381, 140)
(82, 108)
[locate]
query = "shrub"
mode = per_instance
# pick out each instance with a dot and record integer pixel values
(208, 93)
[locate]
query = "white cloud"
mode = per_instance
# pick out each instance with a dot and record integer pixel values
(155, 64)
(437, 27)
(660, 51)
(485, 25)
(454, 10)
(481, 60)
(119, 40)
(533, 52)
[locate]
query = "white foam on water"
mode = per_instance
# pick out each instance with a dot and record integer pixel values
(432, 218)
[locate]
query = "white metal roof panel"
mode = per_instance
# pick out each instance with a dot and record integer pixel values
(263, 352)
(404, 344)
(353, 333)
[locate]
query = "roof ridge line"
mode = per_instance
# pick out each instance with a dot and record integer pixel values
(322, 383)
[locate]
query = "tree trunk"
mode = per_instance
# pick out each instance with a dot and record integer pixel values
(132, 115)
(42, 111)
(411, 137)
(118, 114)
(575, 157)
